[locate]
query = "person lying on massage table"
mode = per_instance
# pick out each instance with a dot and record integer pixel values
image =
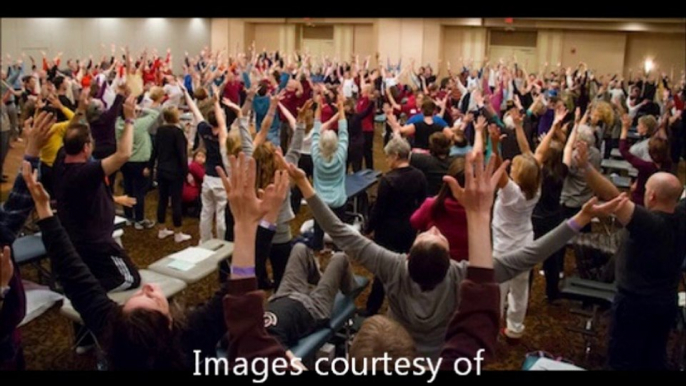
(423, 286)
(146, 332)
(293, 311)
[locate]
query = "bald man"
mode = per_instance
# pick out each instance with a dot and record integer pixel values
(647, 268)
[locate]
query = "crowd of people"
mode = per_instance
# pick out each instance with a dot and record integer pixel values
(492, 170)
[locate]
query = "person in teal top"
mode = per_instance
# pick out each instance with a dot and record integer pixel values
(329, 154)
(261, 105)
(137, 170)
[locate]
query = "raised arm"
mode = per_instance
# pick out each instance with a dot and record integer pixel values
(524, 259)
(571, 141)
(16, 209)
(261, 136)
(79, 284)
(376, 259)
(191, 104)
(125, 144)
(293, 153)
(548, 138)
(519, 132)
(601, 186)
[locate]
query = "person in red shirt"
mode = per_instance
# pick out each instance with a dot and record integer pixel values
(292, 100)
(190, 197)
(446, 214)
(232, 91)
(329, 107)
(367, 120)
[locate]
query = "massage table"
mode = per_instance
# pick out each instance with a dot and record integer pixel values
(343, 312)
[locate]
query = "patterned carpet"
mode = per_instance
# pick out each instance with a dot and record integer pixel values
(48, 339)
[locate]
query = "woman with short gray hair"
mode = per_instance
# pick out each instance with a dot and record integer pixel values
(401, 191)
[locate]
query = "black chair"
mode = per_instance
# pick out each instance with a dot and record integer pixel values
(594, 286)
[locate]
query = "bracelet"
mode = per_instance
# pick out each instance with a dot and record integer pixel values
(574, 225)
(129, 121)
(267, 225)
(242, 271)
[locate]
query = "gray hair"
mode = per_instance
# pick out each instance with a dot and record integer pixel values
(398, 146)
(328, 144)
(586, 134)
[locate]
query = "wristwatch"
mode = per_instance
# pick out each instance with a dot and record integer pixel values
(3, 292)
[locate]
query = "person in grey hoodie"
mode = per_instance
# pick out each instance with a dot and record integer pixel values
(423, 286)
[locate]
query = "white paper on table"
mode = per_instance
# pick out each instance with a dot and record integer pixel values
(546, 364)
(192, 255)
(181, 265)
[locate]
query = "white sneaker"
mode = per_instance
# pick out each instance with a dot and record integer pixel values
(181, 237)
(164, 233)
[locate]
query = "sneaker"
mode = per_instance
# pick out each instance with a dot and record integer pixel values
(84, 349)
(181, 237)
(164, 233)
(145, 224)
(511, 337)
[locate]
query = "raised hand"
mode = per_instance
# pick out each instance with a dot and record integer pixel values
(38, 132)
(477, 194)
(581, 155)
(84, 99)
(246, 207)
(41, 198)
(495, 134)
(480, 123)
(302, 111)
(593, 209)
(297, 174)
(54, 101)
(130, 108)
(560, 114)
(227, 102)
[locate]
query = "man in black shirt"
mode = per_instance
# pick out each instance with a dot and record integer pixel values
(647, 270)
(84, 202)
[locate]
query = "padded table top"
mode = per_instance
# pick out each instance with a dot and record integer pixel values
(222, 251)
(170, 286)
(28, 249)
(357, 183)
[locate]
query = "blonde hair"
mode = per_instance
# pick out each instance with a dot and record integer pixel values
(528, 174)
(328, 144)
(156, 93)
(265, 164)
(233, 145)
(605, 113)
(379, 335)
